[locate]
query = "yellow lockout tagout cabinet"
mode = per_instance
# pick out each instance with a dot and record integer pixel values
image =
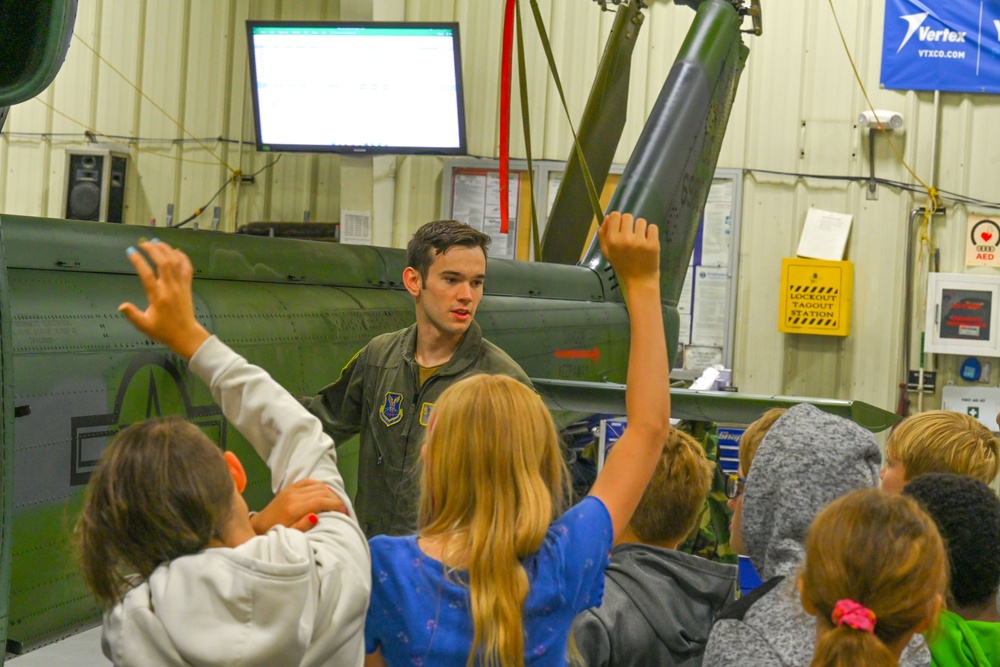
(816, 297)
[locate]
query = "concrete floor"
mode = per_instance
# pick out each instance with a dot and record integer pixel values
(81, 650)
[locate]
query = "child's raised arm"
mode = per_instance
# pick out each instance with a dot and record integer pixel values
(267, 423)
(633, 248)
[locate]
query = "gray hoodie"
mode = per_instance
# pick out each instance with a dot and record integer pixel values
(808, 459)
(658, 608)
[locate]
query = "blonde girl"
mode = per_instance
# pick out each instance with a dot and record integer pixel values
(875, 574)
(499, 567)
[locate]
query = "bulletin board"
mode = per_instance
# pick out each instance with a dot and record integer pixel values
(707, 304)
(470, 192)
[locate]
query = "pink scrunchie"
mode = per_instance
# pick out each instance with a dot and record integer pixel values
(854, 615)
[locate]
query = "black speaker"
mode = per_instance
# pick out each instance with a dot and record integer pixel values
(95, 184)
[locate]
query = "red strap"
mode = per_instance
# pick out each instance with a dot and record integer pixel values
(506, 57)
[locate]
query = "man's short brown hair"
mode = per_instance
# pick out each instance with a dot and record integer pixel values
(436, 237)
(754, 435)
(945, 441)
(676, 494)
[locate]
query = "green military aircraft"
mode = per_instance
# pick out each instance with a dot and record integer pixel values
(73, 372)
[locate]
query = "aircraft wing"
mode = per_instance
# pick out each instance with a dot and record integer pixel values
(716, 406)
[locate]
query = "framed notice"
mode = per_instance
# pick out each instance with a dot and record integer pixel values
(963, 314)
(471, 194)
(707, 304)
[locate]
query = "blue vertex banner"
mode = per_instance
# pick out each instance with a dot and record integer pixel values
(949, 45)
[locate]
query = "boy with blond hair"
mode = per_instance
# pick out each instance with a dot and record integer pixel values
(752, 437)
(749, 442)
(659, 603)
(939, 441)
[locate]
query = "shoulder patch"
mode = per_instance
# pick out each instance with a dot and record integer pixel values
(425, 413)
(391, 411)
(353, 359)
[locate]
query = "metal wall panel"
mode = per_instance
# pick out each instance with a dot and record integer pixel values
(794, 113)
(190, 61)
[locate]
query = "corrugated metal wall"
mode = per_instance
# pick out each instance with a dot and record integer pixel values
(795, 113)
(189, 61)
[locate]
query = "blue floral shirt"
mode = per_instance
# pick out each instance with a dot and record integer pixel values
(419, 616)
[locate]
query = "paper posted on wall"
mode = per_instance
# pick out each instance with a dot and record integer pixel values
(824, 235)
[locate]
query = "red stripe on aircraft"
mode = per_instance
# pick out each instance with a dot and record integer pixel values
(594, 355)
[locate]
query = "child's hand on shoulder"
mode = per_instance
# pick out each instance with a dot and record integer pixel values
(297, 505)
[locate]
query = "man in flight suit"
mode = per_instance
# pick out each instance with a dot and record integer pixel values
(386, 392)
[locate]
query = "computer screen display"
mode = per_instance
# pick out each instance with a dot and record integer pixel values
(357, 88)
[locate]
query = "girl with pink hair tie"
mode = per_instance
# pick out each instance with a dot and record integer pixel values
(875, 574)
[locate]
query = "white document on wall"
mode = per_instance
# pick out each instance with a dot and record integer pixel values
(980, 403)
(469, 198)
(684, 335)
(684, 302)
(699, 357)
(476, 202)
(717, 224)
(685, 306)
(502, 245)
(555, 180)
(824, 235)
(711, 307)
(356, 227)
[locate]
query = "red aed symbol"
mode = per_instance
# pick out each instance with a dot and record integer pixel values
(594, 355)
(986, 237)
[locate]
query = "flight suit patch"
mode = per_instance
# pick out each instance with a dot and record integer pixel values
(425, 413)
(391, 411)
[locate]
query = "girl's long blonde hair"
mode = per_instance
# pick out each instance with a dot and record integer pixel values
(882, 552)
(494, 479)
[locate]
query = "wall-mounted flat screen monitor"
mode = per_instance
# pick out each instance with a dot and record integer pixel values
(357, 88)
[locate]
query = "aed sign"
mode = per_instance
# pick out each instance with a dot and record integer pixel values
(816, 297)
(951, 45)
(982, 241)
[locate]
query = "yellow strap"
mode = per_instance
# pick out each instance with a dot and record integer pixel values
(157, 106)
(595, 201)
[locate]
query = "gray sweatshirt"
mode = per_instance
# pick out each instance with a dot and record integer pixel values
(658, 608)
(808, 459)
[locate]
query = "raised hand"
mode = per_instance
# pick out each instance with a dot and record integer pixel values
(632, 246)
(169, 318)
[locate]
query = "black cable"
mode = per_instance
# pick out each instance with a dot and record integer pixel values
(199, 211)
(898, 185)
(40, 135)
(202, 209)
(90, 137)
(267, 166)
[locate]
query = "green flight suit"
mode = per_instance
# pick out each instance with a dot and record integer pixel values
(379, 396)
